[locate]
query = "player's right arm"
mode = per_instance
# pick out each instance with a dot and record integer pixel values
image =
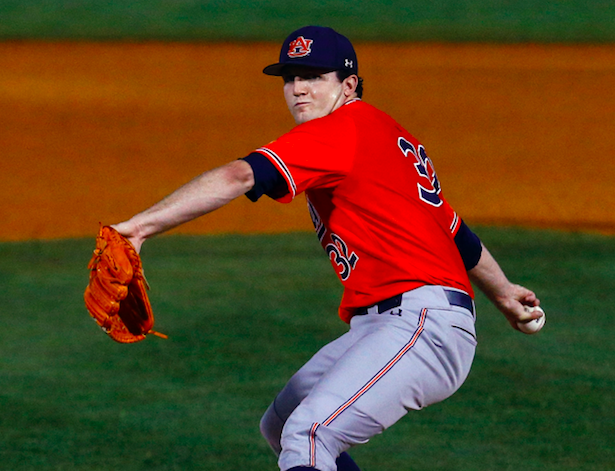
(487, 275)
(508, 297)
(204, 194)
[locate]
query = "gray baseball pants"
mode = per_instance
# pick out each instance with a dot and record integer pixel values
(391, 360)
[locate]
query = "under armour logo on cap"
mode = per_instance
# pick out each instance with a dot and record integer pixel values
(348, 63)
(300, 47)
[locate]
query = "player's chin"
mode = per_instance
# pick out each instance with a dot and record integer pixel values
(301, 118)
(305, 116)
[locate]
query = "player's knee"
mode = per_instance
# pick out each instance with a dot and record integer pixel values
(306, 443)
(271, 428)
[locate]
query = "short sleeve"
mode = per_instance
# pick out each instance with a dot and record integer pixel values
(267, 179)
(316, 154)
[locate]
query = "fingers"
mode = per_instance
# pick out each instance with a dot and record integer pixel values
(526, 296)
(123, 228)
(517, 307)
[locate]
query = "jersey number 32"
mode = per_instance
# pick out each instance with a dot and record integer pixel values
(429, 191)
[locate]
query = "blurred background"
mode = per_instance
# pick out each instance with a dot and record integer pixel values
(512, 100)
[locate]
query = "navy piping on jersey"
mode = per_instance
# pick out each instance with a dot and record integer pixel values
(282, 168)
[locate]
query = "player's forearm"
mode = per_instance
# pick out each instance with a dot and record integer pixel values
(490, 278)
(508, 297)
(206, 193)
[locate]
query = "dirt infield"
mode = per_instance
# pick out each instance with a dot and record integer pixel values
(96, 132)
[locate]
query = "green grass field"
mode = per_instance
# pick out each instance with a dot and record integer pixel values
(243, 312)
(386, 20)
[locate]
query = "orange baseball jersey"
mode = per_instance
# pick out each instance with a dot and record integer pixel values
(375, 202)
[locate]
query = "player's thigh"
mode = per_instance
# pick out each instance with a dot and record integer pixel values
(404, 362)
(304, 380)
(298, 387)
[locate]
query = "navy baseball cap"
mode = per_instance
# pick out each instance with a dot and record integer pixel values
(316, 46)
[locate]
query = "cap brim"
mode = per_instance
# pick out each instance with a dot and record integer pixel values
(274, 69)
(280, 68)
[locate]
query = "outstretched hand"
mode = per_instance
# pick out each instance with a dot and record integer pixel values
(130, 231)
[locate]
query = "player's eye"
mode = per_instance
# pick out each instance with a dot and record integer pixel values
(306, 77)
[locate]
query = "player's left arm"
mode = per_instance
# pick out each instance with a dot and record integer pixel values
(204, 194)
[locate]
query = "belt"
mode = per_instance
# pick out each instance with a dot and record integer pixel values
(455, 298)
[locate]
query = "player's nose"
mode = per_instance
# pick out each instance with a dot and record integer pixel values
(299, 86)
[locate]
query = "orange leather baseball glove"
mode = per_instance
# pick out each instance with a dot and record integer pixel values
(116, 295)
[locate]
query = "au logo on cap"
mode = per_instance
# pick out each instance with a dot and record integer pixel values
(300, 47)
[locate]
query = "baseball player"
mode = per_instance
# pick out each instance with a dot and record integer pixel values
(404, 256)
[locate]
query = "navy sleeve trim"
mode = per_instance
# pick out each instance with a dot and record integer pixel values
(267, 179)
(469, 246)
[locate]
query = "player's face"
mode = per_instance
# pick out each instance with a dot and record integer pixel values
(312, 94)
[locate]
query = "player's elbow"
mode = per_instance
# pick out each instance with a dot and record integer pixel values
(239, 174)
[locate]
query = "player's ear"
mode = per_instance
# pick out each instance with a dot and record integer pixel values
(350, 84)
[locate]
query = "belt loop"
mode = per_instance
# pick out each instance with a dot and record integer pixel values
(382, 306)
